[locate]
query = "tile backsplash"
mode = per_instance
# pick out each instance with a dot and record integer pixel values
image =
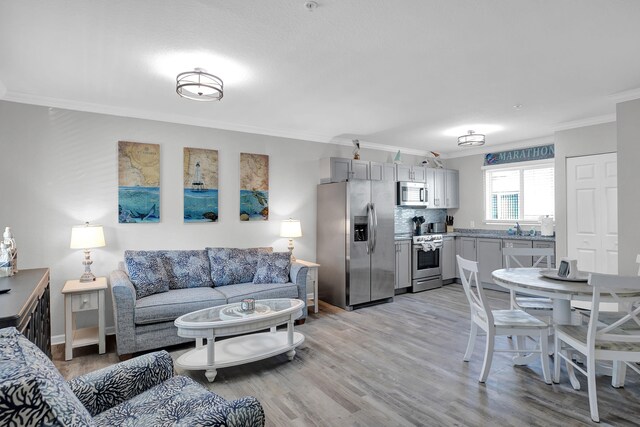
(404, 224)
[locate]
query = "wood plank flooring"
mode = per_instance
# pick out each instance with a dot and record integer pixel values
(400, 364)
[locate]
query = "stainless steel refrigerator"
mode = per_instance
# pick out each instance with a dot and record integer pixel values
(355, 246)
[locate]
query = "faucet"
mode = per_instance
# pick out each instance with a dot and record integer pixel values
(518, 229)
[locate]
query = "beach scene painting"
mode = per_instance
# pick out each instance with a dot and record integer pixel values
(254, 187)
(138, 182)
(200, 185)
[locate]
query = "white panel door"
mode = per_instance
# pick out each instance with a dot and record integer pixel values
(592, 206)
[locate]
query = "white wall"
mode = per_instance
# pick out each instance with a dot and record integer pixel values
(584, 141)
(628, 127)
(59, 168)
(471, 210)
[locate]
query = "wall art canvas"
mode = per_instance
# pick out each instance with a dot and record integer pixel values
(200, 185)
(254, 187)
(138, 182)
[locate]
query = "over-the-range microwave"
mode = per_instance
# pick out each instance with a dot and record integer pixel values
(411, 194)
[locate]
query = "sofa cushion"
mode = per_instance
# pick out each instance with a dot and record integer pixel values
(170, 305)
(237, 293)
(187, 269)
(165, 404)
(146, 271)
(32, 391)
(273, 268)
(232, 265)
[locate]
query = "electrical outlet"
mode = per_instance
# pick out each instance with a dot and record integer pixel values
(472, 224)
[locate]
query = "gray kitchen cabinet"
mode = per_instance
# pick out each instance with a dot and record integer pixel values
(448, 258)
(410, 173)
(468, 248)
(543, 263)
(439, 182)
(526, 261)
(338, 169)
(489, 258)
(403, 264)
(451, 188)
(382, 172)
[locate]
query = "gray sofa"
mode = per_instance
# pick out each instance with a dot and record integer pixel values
(195, 280)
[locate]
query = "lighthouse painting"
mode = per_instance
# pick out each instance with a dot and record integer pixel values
(200, 185)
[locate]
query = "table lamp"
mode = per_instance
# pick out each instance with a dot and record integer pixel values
(87, 237)
(290, 228)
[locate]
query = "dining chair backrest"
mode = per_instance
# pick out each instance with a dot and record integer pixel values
(539, 254)
(615, 287)
(480, 309)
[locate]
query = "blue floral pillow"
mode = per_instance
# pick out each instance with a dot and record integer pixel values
(187, 269)
(232, 265)
(146, 271)
(273, 268)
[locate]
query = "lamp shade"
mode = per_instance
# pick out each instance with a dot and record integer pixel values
(87, 236)
(290, 228)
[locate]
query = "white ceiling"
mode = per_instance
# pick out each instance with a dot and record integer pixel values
(392, 73)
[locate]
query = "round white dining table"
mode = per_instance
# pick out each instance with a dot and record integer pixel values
(529, 281)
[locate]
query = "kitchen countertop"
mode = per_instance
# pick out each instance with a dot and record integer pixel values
(485, 234)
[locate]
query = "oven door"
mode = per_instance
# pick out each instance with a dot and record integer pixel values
(425, 263)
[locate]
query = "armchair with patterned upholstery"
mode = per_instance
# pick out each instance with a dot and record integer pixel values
(142, 391)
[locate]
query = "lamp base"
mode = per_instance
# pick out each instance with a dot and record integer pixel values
(290, 247)
(87, 276)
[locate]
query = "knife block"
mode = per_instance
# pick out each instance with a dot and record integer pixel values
(449, 228)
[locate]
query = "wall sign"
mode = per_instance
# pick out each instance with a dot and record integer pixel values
(520, 155)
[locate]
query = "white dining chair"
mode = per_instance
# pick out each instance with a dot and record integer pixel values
(538, 306)
(618, 342)
(498, 322)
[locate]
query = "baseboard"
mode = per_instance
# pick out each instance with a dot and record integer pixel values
(59, 339)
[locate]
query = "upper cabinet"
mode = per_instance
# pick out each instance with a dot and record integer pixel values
(442, 188)
(410, 173)
(338, 169)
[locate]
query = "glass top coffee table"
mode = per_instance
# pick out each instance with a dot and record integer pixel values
(230, 319)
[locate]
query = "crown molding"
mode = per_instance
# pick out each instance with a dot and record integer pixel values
(525, 143)
(163, 117)
(598, 120)
(626, 95)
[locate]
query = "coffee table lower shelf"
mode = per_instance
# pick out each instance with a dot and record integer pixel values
(239, 350)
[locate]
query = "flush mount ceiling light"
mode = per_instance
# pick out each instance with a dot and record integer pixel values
(471, 139)
(199, 85)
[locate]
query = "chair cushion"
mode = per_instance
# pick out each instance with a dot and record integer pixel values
(273, 268)
(32, 391)
(516, 319)
(238, 292)
(232, 265)
(165, 404)
(146, 271)
(187, 269)
(170, 305)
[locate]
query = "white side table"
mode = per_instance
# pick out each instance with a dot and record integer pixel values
(313, 276)
(80, 297)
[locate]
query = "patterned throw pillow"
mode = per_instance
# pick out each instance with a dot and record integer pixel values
(273, 268)
(187, 269)
(230, 266)
(146, 271)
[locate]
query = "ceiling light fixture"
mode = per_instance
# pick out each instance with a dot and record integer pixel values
(471, 139)
(199, 85)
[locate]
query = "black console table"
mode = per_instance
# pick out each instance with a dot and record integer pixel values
(28, 306)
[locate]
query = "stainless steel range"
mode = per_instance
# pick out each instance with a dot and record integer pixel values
(426, 272)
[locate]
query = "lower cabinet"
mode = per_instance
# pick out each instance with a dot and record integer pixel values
(489, 259)
(448, 258)
(403, 264)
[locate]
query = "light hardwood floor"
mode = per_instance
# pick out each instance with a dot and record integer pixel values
(400, 364)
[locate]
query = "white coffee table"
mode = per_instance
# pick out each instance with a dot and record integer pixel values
(229, 319)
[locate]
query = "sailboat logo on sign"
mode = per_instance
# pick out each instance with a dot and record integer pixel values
(520, 155)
